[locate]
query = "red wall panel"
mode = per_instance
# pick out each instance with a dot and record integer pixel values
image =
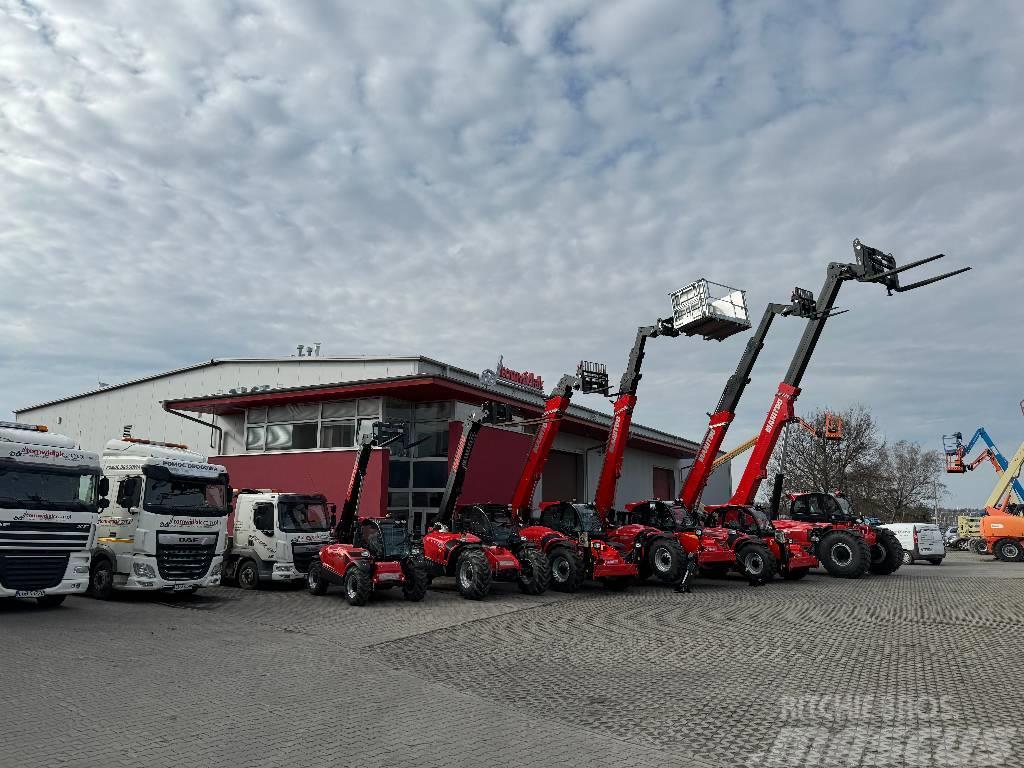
(326, 472)
(498, 459)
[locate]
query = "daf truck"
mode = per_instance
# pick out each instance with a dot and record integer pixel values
(166, 529)
(274, 537)
(49, 500)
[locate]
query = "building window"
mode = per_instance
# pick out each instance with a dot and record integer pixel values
(308, 426)
(417, 476)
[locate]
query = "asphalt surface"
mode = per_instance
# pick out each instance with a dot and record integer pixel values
(918, 668)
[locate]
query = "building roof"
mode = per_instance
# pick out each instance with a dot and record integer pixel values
(446, 381)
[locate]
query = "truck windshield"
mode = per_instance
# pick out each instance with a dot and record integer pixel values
(846, 510)
(298, 516)
(197, 497)
(50, 488)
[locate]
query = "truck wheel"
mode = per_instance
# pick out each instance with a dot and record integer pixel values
(617, 583)
(358, 583)
(666, 560)
(534, 572)
(316, 584)
(795, 574)
(473, 575)
(844, 554)
(907, 557)
(886, 553)
(415, 586)
(51, 601)
(101, 579)
(248, 575)
(978, 546)
(1008, 550)
(567, 571)
(757, 563)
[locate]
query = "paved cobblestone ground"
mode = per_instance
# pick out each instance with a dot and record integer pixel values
(808, 673)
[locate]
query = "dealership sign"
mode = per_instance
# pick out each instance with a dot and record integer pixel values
(508, 376)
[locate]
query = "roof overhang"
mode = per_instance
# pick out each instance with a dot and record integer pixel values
(419, 388)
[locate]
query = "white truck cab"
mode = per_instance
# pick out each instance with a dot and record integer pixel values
(48, 508)
(166, 527)
(275, 536)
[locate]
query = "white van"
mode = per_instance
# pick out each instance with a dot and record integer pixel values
(920, 541)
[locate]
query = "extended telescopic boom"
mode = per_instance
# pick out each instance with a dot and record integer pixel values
(871, 266)
(801, 305)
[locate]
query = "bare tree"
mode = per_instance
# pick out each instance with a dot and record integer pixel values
(851, 465)
(911, 483)
(898, 482)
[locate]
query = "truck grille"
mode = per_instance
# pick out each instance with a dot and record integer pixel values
(303, 554)
(45, 538)
(32, 571)
(183, 562)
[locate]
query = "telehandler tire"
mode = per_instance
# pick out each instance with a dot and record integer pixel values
(316, 584)
(415, 587)
(534, 572)
(567, 569)
(844, 554)
(666, 560)
(756, 562)
(886, 553)
(358, 584)
(473, 574)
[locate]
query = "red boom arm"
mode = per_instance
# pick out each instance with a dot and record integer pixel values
(779, 415)
(554, 410)
(614, 450)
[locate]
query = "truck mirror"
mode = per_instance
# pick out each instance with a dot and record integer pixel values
(104, 488)
(103, 503)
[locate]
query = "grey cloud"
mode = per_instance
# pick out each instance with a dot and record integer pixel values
(462, 179)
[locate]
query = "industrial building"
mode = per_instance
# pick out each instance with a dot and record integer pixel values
(293, 423)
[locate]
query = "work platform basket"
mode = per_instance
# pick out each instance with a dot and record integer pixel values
(711, 310)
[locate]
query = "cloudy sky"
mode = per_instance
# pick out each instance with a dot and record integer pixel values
(181, 181)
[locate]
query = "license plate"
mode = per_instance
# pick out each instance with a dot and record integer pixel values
(30, 593)
(181, 587)
(390, 576)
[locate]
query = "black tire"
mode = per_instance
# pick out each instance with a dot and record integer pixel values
(886, 553)
(415, 587)
(978, 546)
(51, 601)
(935, 560)
(316, 584)
(248, 575)
(358, 584)
(617, 583)
(567, 569)
(534, 572)
(907, 558)
(756, 562)
(666, 560)
(101, 579)
(1008, 550)
(795, 574)
(844, 554)
(473, 574)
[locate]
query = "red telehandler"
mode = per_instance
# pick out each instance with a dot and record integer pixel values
(478, 548)
(749, 543)
(370, 553)
(566, 557)
(653, 551)
(845, 545)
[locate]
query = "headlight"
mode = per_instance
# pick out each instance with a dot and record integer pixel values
(144, 570)
(780, 537)
(81, 569)
(523, 538)
(698, 532)
(282, 567)
(217, 569)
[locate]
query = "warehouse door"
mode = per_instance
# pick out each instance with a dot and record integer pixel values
(664, 483)
(563, 477)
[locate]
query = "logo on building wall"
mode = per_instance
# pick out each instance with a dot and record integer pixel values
(508, 376)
